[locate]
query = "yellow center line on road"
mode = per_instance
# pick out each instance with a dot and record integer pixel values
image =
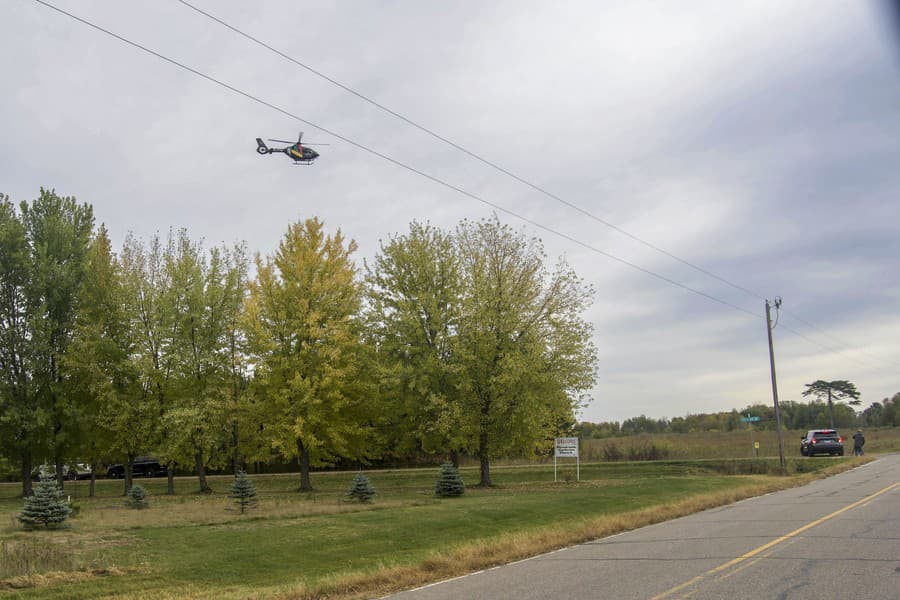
(774, 542)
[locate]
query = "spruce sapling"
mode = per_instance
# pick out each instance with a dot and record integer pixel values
(45, 507)
(137, 497)
(243, 491)
(361, 488)
(449, 482)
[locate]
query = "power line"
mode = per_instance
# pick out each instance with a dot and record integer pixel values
(394, 161)
(496, 166)
(468, 152)
(409, 167)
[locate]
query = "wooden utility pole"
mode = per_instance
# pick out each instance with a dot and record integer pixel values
(774, 384)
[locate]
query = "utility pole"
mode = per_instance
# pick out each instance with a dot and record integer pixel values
(769, 328)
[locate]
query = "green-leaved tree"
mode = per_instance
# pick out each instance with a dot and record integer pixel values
(304, 338)
(524, 349)
(840, 389)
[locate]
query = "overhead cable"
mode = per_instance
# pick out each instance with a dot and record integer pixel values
(494, 165)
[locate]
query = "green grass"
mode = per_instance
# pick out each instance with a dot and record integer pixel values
(192, 545)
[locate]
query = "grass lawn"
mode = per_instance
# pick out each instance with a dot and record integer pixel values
(308, 545)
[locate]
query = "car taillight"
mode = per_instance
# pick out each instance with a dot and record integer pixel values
(812, 441)
(840, 439)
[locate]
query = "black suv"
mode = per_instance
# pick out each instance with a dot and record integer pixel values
(143, 466)
(822, 441)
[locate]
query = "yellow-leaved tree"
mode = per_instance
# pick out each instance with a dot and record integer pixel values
(303, 336)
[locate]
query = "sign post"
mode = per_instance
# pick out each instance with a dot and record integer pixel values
(567, 447)
(750, 421)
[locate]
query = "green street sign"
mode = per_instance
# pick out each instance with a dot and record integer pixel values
(749, 419)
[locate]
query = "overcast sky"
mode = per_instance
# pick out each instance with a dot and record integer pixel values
(759, 141)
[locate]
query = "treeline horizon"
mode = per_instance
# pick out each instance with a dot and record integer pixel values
(794, 415)
(450, 342)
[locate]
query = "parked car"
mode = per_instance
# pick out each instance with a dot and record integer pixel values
(143, 466)
(77, 471)
(71, 472)
(822, 441)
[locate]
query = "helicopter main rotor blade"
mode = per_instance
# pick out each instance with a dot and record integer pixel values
(315, 144)
(282, 141)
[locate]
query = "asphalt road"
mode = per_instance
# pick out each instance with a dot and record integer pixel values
(837, 538)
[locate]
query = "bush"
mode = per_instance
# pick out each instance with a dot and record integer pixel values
(243, 491)
(449, 483)
(612, 452)
(45, 507)
(361, 488)
(137, 497)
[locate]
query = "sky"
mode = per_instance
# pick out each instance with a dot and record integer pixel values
(758, 142)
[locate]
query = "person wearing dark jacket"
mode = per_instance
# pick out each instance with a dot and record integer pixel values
(858, 441)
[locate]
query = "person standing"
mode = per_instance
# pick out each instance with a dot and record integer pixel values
(858, 441)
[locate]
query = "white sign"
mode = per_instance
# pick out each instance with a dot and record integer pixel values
(567, 447)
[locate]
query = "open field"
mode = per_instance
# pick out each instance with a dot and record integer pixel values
(736, 444)
(313, 545)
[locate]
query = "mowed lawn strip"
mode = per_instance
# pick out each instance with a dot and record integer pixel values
(222, 554)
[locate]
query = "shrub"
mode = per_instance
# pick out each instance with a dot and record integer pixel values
(45, 507)
(137, 497)
(361, 488)
(243, 491)
(449, 483)
(612, 452)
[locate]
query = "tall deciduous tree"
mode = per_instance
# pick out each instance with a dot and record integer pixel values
(145, 288)
(206, 295)
(839, 389)
(303, 334)
(98, 366)
(524, 349)
(59, 231)
(414, 294)
(21, 418)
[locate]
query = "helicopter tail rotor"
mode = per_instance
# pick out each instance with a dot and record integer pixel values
(261, 147)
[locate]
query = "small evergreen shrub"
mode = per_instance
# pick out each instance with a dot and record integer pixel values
(449, 483)
(243, 492)
(45, 507)
(361, 488)
(137, 497)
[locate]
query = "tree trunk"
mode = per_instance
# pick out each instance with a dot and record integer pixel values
(129, 465)
(235, 459)
(170, 479)
(303, 452)
(454, 458)
(93, 480)
(27, 487)
(830, 409)
(58, 469)
(484, 460)
(201, 471)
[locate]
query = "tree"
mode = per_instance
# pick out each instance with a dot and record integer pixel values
(449, 483)
(243, 492)
(59, 232)
(204, 296)
(414, 294)
(98, 365)
(839, 389)
(524, 350)
(361, 488)
(144, 404)
(137, 497)
(45, 507)
(304, 339)
(21, 418)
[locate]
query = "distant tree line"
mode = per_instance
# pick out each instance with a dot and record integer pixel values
(449, 343)
(794, 415)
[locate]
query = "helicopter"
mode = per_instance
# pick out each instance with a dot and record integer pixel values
(297, 151)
